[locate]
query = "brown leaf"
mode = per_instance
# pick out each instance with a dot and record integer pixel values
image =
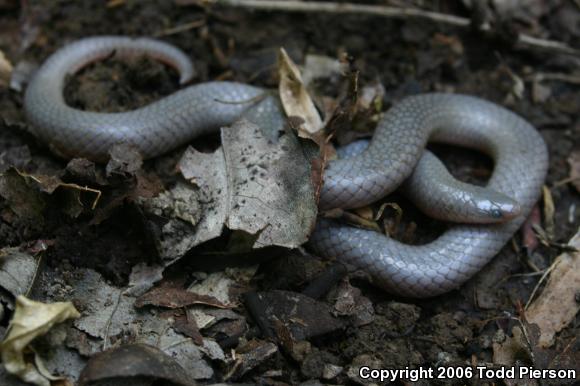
(296, 100)
(172, 297)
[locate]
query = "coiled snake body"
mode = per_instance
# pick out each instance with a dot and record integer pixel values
(395, 153)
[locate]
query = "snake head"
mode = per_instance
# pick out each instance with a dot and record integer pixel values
(497, 207)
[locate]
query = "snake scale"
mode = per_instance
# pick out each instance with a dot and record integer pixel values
(394, 155)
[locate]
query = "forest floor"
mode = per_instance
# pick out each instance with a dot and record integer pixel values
(239, 321)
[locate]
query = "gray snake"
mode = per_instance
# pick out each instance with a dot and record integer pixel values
(395, 154)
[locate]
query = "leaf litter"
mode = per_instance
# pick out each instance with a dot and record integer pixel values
(211, 343)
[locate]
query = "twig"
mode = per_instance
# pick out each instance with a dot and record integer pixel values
(568, 78)
(181, 28)
(348, 8)
(539, 283)
(386, 11)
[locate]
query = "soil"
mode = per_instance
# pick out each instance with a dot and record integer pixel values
(407, 57)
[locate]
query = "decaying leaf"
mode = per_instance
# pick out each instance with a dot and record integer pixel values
(30, 320)
(223, 286)
(295, 98)
(183, 227)
(172, 297)
(253, 185)
(557, 305)
(17, 271)
(269, 188)
(107, 311)
(193, 214)
(143, 278)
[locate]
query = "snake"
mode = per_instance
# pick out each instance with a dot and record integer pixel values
(483, 218)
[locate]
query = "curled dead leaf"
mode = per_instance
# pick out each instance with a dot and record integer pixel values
(296, 99)
(31, 319)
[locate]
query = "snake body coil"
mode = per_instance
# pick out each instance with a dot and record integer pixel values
(396, 149)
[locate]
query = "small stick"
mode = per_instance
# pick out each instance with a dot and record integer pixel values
(386, 11)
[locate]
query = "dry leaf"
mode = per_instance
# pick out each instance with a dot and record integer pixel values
(557, 306)
(31, 319)
(17, 271)
(269, 188)
(295, 98)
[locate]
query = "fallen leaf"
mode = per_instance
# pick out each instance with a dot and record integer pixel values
(143, 277)
(269, 187)
(221, 285)
(557, 305)
(30, 320)
(109, 314)
(17, 271)
(107, 311)
(182, 226)
(254, 185)
(296, 100)
(172, 297)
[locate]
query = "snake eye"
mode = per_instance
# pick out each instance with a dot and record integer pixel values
(495, 213)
